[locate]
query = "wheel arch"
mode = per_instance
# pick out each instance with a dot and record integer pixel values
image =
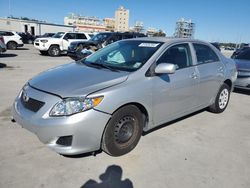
(141, 107)
(229, 83)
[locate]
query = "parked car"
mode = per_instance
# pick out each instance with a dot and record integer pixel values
(58, 43)
(240, 50)
(242, 61)
(108, 99)
(45, 35)
(26, 38)
(2, 45)
(12, 39)
(77, 50)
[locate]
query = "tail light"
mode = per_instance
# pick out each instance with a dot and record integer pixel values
(2, 39)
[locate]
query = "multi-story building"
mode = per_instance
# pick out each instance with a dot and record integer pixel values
(122, 19)
(85, 23)
(184, 29)
(109, 23)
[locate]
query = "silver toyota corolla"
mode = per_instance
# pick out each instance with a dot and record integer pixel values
(107, 100)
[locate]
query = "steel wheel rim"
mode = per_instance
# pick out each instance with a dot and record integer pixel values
(223, 98)
(124, 129)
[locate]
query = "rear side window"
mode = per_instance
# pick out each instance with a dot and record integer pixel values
(205, 54)
(80, 36)
(179, 55)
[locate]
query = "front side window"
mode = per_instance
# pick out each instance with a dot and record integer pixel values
(70, 36)
(178, 55)
(205, 54)
(124, 55)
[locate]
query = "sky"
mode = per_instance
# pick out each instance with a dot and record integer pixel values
(215, 20)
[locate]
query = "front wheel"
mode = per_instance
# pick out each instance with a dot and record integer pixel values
(221, 100)
(123, 131)
(12, 45)
(54, 51)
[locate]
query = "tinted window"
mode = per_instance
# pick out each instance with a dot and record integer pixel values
(179, 55)
(127, 36)
(5, 33)
(205, 54)
(70, 36)
(244, 55)
(80, 36)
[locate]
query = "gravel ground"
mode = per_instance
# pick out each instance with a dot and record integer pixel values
(202, 150)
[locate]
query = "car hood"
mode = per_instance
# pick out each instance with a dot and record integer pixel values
(242, 64)
(76, 79)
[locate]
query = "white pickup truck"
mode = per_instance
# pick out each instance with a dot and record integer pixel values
(59, 43)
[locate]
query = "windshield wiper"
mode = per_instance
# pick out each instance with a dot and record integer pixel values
(104, 66)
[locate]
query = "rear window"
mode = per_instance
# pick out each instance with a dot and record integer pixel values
(245, 55)
(6, 33)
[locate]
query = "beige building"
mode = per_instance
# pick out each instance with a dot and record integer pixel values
(122, 19)
(109, 23)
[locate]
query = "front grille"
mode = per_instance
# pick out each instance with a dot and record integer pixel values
(31, 104)
(65, 140)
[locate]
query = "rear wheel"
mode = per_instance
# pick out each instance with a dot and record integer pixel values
(221, 100)
(54, 51)
(123, 131)
(12, 45)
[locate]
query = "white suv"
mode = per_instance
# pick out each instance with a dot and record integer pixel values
(58, 43)
(12, 39)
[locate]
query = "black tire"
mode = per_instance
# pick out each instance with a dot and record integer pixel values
(12, 45)
(123, 131)
(221, 100)
(44, 52)
(54, 51)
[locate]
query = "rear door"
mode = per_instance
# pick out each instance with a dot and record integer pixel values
(211, 72)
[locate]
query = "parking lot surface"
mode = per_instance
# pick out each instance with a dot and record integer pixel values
(201, 150)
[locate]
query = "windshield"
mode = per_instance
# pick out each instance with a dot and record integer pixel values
(125, 55)
(58, 35)
(101, 37)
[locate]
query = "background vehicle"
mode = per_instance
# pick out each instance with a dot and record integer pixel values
(108, 99)
(27, 38)
(2, 45)
(58, 43)
(98, 41)
(12, 39)
(240, 50)
(242, 61)
(45, 35)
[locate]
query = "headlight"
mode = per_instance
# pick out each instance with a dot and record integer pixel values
(44, 41)
(71, 106)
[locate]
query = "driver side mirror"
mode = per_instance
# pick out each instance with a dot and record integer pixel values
(165, 68)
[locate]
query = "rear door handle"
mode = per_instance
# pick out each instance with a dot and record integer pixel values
(220, 69)
(194, 75)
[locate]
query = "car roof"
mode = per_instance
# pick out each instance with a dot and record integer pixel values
(168, 39)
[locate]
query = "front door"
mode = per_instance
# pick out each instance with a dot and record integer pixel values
(175, 94)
